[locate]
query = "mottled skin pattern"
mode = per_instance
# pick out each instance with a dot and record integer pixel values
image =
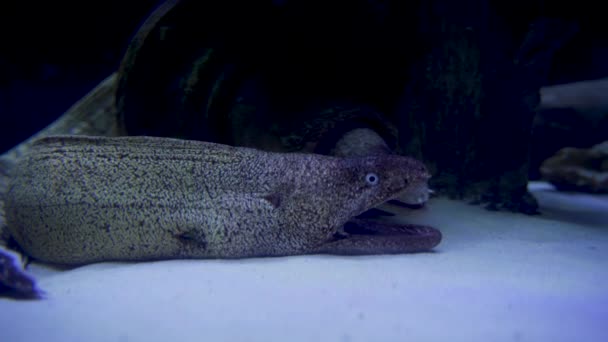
(76, 200)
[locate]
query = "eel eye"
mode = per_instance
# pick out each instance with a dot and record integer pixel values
(372, 179)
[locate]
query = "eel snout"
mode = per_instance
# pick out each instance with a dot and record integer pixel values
(414, 197)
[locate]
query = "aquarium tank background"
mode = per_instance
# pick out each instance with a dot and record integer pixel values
(469, 139)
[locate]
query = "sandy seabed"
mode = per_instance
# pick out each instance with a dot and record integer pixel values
(495, 277)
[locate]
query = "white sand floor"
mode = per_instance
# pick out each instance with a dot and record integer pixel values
(495, 277)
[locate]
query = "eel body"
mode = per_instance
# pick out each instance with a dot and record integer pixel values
(77, 200)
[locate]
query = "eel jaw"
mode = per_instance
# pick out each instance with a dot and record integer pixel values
(366, 237)
(376, 228)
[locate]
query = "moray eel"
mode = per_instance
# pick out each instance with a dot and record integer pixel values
(77, 200)
(81, 199)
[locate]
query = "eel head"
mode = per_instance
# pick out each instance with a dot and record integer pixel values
(356, 185)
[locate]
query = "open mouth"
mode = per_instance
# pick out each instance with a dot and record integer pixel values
(364, 232)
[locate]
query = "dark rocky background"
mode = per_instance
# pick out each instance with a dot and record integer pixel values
(53, 53)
